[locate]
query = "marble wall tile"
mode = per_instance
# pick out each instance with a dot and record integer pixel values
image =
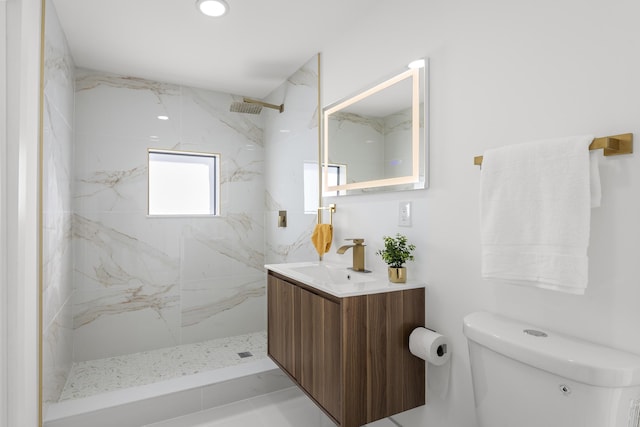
(225, 306)
(291, 138)
(224, 294)
(59, 66)
(149, 271)
(291, 243)
(57, 348)
(207, 120)
(57, 253)
(115, 105)
(113, 322)
(142, 282)
(57, 265)
(222, 249)
(208, 125)
(122, 279)
(116, 122)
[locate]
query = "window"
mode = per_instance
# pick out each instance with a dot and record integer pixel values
(183, 183)
(337, 176)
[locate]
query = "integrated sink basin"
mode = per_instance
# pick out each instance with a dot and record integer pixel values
(338, 279)
(334, 274)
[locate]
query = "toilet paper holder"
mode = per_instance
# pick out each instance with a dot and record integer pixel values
(429, 345)
(442, 349)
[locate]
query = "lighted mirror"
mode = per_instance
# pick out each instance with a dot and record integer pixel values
(378, 137)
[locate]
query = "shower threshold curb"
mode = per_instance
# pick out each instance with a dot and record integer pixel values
(107, 404)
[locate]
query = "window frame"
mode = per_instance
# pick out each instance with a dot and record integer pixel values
(214, 182)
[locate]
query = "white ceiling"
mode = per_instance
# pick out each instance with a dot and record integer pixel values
(250, 51)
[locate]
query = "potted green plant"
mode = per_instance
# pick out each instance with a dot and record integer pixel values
(395, 253)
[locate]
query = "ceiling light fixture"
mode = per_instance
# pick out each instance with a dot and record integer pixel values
(418, 63)
(214, 8)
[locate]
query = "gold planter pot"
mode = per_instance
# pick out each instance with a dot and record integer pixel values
(397, 274)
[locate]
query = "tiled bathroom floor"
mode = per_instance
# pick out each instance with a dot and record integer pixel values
(284, 408)
(289, 407)
(103, 375)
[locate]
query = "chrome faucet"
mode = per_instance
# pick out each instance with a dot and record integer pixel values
(358, 254)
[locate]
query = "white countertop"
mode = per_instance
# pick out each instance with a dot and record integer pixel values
(339, 280)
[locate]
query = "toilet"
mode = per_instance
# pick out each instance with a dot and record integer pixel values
(525, 376)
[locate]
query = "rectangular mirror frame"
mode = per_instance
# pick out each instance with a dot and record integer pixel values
(414, 74)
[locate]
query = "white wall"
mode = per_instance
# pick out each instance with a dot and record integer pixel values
(502, 72)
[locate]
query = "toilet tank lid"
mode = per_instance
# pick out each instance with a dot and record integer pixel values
(559, 354)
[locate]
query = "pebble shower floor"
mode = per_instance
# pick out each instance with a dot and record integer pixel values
(103, 375)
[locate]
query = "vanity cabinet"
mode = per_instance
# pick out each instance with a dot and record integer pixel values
(348, 354)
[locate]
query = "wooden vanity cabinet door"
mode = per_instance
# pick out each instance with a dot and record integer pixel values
(282, 325)
(320, 371)
(351, 354)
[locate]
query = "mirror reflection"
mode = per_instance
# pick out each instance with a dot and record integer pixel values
(375, 140)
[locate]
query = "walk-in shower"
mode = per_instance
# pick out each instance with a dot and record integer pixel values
(125, 292)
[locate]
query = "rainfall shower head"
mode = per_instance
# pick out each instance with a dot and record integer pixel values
(253, 106)
(245, 107)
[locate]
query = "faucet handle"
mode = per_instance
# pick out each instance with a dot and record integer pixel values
(357, 241)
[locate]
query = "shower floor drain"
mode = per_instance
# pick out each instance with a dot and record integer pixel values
(245, 354)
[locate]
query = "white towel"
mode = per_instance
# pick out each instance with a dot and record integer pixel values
(535, 213)
(594, 177)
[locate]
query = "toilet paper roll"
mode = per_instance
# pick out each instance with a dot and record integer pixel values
(430, 346)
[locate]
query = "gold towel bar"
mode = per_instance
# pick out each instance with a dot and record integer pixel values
(331, 208)
(612, 146)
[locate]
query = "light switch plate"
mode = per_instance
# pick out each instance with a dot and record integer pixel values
(404, 214)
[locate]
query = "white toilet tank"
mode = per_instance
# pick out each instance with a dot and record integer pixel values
(524, 376)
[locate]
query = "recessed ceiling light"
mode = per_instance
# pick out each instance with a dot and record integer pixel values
(163, 117)
(214, 8)
(418, 63)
